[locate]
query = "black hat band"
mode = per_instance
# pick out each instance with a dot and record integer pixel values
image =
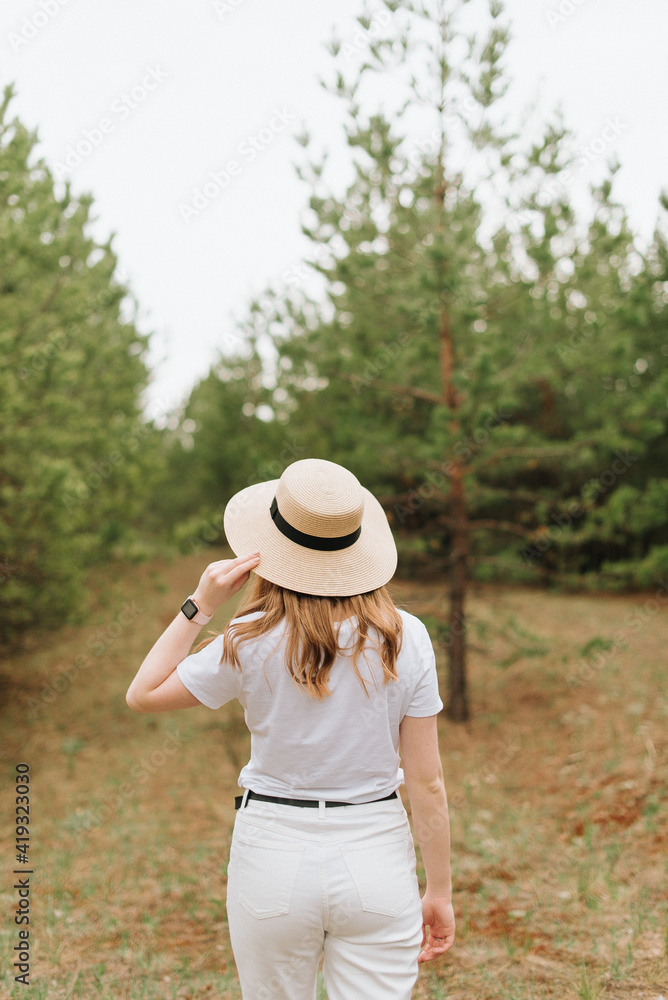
(311, 541)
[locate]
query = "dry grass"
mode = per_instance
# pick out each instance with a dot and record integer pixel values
(558, 803)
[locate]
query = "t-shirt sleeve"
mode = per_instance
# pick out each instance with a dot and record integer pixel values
(213, 683)
(426, 699)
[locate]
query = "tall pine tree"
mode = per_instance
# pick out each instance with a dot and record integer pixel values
(463, 382)
(500, 385)
(76, 456)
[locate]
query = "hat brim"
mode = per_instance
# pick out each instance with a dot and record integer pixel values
(367, 564)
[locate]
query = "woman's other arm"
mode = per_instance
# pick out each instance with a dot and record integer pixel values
(157, 687)
(423, 775)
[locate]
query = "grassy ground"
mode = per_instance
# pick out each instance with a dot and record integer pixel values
(557, 789)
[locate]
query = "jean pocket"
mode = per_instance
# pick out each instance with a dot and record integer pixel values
(266, 875)
(384, 875)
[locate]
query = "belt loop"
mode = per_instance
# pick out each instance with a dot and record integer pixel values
(244, 798)
(321, 810)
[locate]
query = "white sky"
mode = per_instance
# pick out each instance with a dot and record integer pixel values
(218, 76)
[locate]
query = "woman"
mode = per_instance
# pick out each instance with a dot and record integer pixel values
(334, 680)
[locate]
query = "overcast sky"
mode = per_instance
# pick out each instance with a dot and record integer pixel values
(169, 92)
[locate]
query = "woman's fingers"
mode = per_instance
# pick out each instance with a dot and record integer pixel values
(223, 564)
(233, 570)
(244, 566)
(220, 571)
(440, 940)
(434, 949)
(249, 560)
(221, 579)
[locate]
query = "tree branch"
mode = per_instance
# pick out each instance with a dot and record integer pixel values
(538, 450)
(511, 494)
(409, 495)
(512, 567)
(510, 526)
(400, 390)
(43, 308)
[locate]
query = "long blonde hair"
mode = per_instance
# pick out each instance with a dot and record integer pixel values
(312, 643)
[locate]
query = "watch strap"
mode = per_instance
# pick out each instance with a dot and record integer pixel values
(200, 618)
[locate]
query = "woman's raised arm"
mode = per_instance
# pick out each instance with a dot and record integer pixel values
(157, 687)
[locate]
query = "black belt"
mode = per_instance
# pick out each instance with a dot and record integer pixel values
(305, 803)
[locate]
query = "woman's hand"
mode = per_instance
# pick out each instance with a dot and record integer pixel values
(220, 580)
(157, 686)
(439, 916)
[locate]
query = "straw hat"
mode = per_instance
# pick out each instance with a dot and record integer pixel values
(317, 529)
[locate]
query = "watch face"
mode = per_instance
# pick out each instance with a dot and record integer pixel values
(189, 609)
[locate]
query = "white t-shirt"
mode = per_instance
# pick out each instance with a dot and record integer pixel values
(345, 747)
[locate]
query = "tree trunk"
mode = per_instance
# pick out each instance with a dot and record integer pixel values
(457, 707)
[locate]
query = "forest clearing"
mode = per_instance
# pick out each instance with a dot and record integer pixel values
(557, 790)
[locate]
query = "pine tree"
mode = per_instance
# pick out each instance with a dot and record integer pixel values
(76, 455)
(413, 351)
(469, 371)
(452, 386)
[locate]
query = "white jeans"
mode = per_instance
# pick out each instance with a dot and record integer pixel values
(334, 881)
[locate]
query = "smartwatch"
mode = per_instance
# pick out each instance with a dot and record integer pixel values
(193, 614)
